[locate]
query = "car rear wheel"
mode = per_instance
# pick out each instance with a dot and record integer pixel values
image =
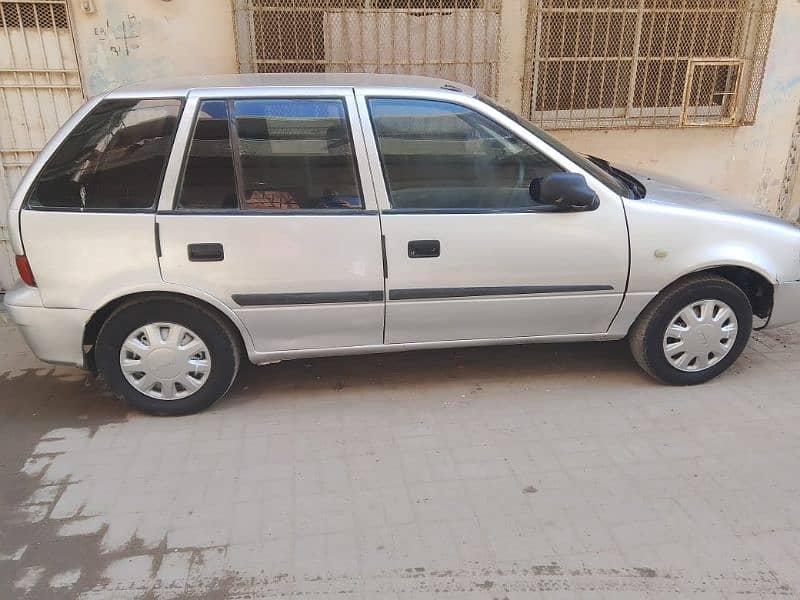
(167, 356)
(693, 331)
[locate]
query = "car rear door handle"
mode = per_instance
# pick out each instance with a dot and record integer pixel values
(423, 248)
(205, 252)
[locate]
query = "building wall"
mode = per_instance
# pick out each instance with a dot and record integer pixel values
(120, 41)
(747, 163)
(128, 40)
(131, 40)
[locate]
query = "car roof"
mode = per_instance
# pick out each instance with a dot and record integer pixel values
(181, 86)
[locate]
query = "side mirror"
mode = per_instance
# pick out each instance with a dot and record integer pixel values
(567, 191)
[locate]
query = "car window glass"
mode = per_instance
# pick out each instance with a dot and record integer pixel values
(113, 159)
(441, 155)
(296, 154)
(208, 177)
(580, 160)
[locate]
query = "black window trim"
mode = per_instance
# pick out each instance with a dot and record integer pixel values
(236, 153)
(268, 212)
(176, 193)
(477, 211)
(233, 137)
(392, 210)
(153, 208)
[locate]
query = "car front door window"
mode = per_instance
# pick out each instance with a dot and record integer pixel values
(445, 156)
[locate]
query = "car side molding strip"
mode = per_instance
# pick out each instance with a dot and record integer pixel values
(512, 290)
(307, 298)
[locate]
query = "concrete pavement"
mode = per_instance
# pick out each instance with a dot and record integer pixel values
(511, 472)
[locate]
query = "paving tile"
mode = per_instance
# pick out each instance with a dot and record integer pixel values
(547, 472)
(131, 572)
(65, 579)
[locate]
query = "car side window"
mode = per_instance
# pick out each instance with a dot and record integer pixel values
(113, 159)
(441, 155)
(295, 154)
(208, 178)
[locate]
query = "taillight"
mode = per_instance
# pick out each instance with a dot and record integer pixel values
(24, 268)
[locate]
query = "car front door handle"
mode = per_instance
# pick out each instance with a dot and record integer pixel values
(424, 248)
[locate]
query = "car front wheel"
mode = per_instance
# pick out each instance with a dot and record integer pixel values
(693, 331)
(167, 356)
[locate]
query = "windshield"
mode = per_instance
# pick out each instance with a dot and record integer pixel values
(615, 183)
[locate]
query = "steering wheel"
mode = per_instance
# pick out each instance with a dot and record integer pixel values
(517, 157)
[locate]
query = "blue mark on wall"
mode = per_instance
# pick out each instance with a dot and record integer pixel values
(785, 86)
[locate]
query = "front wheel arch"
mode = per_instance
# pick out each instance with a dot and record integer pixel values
(95, 323)
(758, 289)
(647, 333)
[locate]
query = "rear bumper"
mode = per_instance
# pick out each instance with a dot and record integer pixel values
(786, 304)
(55, 335)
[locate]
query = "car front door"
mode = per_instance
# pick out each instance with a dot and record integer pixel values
(470, 252)
(269, 217)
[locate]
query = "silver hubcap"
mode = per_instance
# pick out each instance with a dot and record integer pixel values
(165, 361)
(700, 335)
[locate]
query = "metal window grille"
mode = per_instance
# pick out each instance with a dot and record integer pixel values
(791, 174)
(40, 88)
(453, 39)
(645, 63)
(40, 84)
(46, 15)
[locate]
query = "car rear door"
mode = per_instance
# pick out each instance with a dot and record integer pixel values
(266, 212)
(470, 253)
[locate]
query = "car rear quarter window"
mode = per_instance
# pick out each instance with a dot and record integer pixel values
(113, 160)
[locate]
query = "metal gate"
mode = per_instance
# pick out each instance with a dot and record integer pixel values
(40, 87)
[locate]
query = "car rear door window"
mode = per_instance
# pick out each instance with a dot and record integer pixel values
(208, 178)
(295, 154)
(114, 159)
(445, 156)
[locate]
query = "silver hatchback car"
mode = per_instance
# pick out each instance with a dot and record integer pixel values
(172, 227)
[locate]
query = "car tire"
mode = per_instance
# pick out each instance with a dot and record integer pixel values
(669, 359)
(192, 383)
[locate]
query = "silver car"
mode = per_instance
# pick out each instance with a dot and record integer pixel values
(172, 227)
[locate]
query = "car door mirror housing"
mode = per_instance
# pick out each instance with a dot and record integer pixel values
(568, 191)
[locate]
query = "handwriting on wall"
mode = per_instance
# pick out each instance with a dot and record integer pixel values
(121, 37)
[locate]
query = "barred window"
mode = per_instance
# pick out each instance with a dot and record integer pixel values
(646, 63)
(42, 14)
(452, 39)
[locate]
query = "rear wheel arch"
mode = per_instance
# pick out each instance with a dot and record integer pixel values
(101, 315)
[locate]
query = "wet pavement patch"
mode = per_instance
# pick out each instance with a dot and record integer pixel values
(33, 403)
